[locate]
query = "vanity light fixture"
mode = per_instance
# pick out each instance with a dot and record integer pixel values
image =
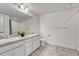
(1, 21)
(22, 6)
(26, 9)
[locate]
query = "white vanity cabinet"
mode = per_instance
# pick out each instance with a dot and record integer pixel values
(19, 51)
(36, 42)
(21, 48)
(28, 46)
(14, 49)
(8, 53)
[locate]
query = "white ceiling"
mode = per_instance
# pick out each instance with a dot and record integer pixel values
(38, 8)
(10, 10)
(45, 8)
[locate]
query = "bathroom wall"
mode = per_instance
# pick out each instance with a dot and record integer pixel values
(57, 30)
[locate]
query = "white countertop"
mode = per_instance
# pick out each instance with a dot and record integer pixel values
(15, 39)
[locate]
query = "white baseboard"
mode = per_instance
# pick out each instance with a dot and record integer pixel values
(57, 44)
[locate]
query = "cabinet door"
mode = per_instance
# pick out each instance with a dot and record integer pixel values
(36, 43)
(28, 47)
(19, 51)
(9, 53)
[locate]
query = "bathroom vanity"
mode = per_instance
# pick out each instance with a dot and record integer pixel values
(19, 46)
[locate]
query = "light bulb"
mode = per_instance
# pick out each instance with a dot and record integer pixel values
(1, 21)
(26, 9)
(22, 7)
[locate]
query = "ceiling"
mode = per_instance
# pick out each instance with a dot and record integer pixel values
(36, 8)
(45, 8)
(14, 12)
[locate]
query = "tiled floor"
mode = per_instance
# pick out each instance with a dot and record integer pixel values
(49, 50)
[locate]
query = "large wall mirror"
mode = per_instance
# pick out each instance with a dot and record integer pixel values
(8, 25)
(4, 25)
(1, 24)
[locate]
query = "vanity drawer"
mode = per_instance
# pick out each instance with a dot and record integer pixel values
(10, 46)
(8, 53)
